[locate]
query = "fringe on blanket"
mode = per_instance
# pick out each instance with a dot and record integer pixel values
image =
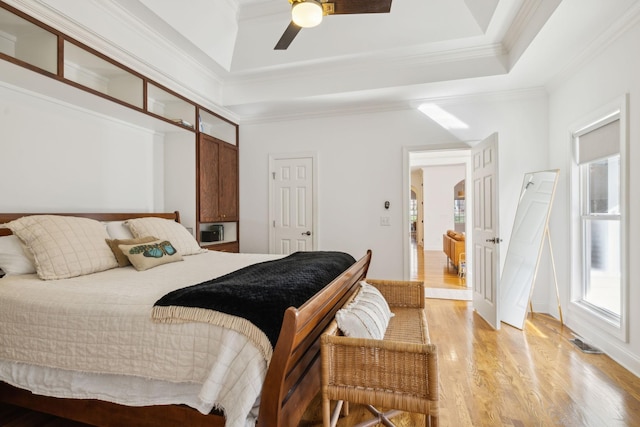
(179, 314)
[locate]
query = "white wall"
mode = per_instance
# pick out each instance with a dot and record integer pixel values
(360, 166)
(56, 157)
(596, 83)
(438, 202)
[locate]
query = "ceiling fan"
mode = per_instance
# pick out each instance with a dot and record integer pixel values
(309, 13)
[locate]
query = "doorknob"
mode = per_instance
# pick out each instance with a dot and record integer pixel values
(308, 233)
(495, 240)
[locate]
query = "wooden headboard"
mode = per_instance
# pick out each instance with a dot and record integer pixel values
(8, 217)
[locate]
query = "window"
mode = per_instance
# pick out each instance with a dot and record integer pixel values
(413, 211)
(600, 223)
(598, 186)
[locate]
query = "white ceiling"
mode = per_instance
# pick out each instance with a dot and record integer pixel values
(422, 50)
(348, 60)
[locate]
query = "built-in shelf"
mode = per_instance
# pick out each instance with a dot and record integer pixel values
(171, 107)
(34, 45)
(230, 233)
(93, 72)
(69, 72)
(218, 128)
(13, 76)
(27, 42)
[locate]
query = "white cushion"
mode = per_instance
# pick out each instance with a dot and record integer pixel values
(64, 246)
(372, 294)
(118, 230)
(166, 229)
(366, 316)
(14, 257)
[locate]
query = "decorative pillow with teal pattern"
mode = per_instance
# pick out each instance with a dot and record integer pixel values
(144, 256)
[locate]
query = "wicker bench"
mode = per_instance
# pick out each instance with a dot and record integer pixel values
(399, 372)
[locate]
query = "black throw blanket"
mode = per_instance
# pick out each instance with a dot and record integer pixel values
(262, 292)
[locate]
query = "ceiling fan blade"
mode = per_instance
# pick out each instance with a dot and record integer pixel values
(344, 7)
(287, 37)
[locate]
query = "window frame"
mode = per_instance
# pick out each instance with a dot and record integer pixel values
(585, 311)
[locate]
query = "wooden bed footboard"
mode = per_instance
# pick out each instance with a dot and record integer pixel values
(292, 380)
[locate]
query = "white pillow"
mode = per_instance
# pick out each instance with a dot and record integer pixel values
(365, 316)
(14, 257)
(372, 294)
(166, 229)
(118, 230)
(64, 246)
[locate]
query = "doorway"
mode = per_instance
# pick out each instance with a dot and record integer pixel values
(436, 212)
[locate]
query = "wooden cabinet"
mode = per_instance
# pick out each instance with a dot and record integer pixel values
(218, 180)
(228, 201)
(218, 191)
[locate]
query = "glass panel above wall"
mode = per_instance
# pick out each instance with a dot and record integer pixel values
(218, 128)
(25, 41)
(171, 107)
(91, 71)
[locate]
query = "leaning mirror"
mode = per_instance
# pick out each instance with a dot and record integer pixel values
(530, 227)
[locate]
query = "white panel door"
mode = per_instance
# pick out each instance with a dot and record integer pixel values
(292, 214)
(486, 253)
(525, 246)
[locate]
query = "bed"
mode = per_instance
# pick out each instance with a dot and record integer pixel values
(287, 380)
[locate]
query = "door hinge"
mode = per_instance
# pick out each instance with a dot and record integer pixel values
(274, 223)
(273, 174)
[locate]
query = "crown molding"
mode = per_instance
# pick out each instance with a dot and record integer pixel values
(486, 97)
(520, 22)
(613, 32)
(359, 64)
(369, 107)
(531, 17)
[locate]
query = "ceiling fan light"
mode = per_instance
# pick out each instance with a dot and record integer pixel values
(306, 13)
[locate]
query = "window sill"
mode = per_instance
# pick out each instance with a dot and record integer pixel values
(596, 318)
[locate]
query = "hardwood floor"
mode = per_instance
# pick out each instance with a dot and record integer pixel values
(525, 378)
(534, 377)
(509, 377)
(433, 269)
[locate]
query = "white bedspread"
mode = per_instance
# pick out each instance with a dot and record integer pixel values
(101, 324)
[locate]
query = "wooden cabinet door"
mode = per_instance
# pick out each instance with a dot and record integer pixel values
(208, 178)
(228, 175)
(217, 180)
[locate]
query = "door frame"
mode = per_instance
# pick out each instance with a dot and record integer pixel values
(406, 194)
(314, 197)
